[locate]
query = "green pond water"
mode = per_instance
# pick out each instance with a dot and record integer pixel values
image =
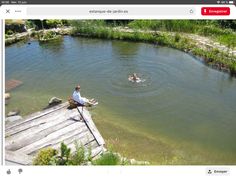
(184, 112)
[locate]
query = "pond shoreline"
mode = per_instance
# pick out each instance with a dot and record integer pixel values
(213, 56)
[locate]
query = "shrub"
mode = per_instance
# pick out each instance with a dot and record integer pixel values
(63, 158)
(9, 32)
(177, 37)
(44, 156)
(78, 157)
(54, 23)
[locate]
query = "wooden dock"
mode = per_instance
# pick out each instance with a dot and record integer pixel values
(48, 128)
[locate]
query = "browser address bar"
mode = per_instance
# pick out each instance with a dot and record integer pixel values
(114, 10)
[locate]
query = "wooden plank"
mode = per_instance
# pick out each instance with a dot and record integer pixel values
(37, 115)
(97, 151)
(11, 84)
(25, 138)
(70, 140)
(30, 131)
(92, 144)
(21, 159)
(53, 138)
(34, 124)
(89, 122)
(83, 138)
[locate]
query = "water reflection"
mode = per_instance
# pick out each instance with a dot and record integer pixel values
(54, 46)
(125, 50)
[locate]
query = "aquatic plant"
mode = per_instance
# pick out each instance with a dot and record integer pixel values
(48, 36)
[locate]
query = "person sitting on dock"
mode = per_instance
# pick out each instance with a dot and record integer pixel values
(82, 101)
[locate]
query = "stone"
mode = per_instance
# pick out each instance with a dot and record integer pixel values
(13, 118)
(7, 96)
(13, 113)
(54, 101)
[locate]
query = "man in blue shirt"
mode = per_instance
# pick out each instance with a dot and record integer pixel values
(82, 100)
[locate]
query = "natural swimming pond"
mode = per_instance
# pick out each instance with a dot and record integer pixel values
(184, 112)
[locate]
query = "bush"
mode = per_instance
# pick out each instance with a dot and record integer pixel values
(63, 158)
(177, 37)
(44, 156)
(9, 32)
(29, 24)
(53, 23)
(78, 157)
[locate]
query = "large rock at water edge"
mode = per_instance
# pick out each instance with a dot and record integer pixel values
(54, 101)
(13, 113)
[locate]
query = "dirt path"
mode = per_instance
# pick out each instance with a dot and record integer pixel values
(201, 41)
(205, 41)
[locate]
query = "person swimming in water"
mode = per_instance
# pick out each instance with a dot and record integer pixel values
(134, 78)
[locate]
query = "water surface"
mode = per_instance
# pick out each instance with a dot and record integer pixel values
(184, 112)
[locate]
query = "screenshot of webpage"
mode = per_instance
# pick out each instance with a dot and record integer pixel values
(118, 88)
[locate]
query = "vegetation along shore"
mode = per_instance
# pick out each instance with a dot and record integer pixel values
(214, 41)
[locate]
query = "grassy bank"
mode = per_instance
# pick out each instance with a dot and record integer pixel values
(222, 31)
(221, 60)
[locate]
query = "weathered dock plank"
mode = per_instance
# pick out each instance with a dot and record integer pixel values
(44, 127)
(57, 136)
(15, 142)
(82, 138)
(38, 115)
(18, 158)
(40, 124)
(49, 128)
(89, 122)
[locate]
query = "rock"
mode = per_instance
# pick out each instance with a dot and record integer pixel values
(54, 101)
(13, 118)
(13, 113)
(132, 161)
(7, 96)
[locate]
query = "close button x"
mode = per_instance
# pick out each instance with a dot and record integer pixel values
(7, 11)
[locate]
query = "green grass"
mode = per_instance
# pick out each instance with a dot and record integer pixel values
(107, 159)
(211, 28)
